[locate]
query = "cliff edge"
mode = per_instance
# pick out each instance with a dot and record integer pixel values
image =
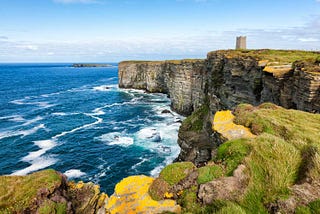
(224, 80)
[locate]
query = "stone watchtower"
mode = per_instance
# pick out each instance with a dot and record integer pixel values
(241, 42)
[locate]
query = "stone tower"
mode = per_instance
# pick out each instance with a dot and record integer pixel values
(241, 42)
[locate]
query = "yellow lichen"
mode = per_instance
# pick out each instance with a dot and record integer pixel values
(168, 195)
(223, 124)
(263, 63)
(79, 185)
(103, 197)
(131, 196)
(278, 71)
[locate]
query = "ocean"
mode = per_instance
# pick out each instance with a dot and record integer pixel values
(77, 121)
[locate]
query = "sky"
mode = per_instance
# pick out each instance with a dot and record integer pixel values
(116, 30)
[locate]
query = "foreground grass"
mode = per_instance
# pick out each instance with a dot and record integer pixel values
(276, 160)
(17, 193)
(285, 152)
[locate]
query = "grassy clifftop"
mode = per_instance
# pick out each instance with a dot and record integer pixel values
(281, 56)
(277, 169)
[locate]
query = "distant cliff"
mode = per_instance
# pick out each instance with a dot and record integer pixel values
(222, 81)
(182, 80)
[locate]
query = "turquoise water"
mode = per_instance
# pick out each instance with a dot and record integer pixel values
(77, 121)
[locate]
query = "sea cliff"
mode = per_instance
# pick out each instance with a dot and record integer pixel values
(235, 158)
(222, 81)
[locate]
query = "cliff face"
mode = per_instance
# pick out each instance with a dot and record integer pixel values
(182, 80)
(224, 80)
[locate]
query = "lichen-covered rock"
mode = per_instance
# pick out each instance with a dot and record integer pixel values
(86, 197)
(223, 123)
(131, 196)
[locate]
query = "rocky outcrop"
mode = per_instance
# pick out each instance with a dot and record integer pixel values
(48, 191)
(131, 196)
(224, 80)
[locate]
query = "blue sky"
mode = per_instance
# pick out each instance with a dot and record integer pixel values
(115, 30)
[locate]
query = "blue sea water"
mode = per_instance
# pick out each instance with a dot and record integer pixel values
(77, 121)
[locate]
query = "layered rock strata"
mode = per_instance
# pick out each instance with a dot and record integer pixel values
(224, 80)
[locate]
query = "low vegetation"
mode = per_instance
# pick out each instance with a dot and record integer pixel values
(280, 56)
(284, 153)
(17, 193)
(195, 121)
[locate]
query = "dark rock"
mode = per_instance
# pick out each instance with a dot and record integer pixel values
(166, 111)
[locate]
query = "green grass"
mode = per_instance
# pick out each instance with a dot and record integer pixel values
(286, 149)
(195, 121)
(281, 56)
(175, 172)
(49, 207)
(18, 192)
(178, 61)
(208, 173)
(311, 208)
(273, 167)
(232, 153)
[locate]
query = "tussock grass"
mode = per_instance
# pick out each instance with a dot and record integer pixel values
(175, 172)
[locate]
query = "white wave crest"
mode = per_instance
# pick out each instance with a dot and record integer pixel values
(21, 132)
(74, 173)
(149, 133)
(104, 87)
(36, 164)
(44, 146)
(115, 138)
(38, 118)
(98, 120)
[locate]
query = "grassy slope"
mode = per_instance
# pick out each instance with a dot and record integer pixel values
(275, 159)
(18, 192)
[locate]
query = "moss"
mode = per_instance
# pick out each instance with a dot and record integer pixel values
(208, 173)
(231, 208)
(232, 153)
(49, 207)
(158, 189)
(175, 172)
(189, 201)
(19, 192)
(195, 121)
(311, 208)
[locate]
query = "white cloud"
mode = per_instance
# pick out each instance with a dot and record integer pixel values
(28, 47)
(75, 1)
(308, 40)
